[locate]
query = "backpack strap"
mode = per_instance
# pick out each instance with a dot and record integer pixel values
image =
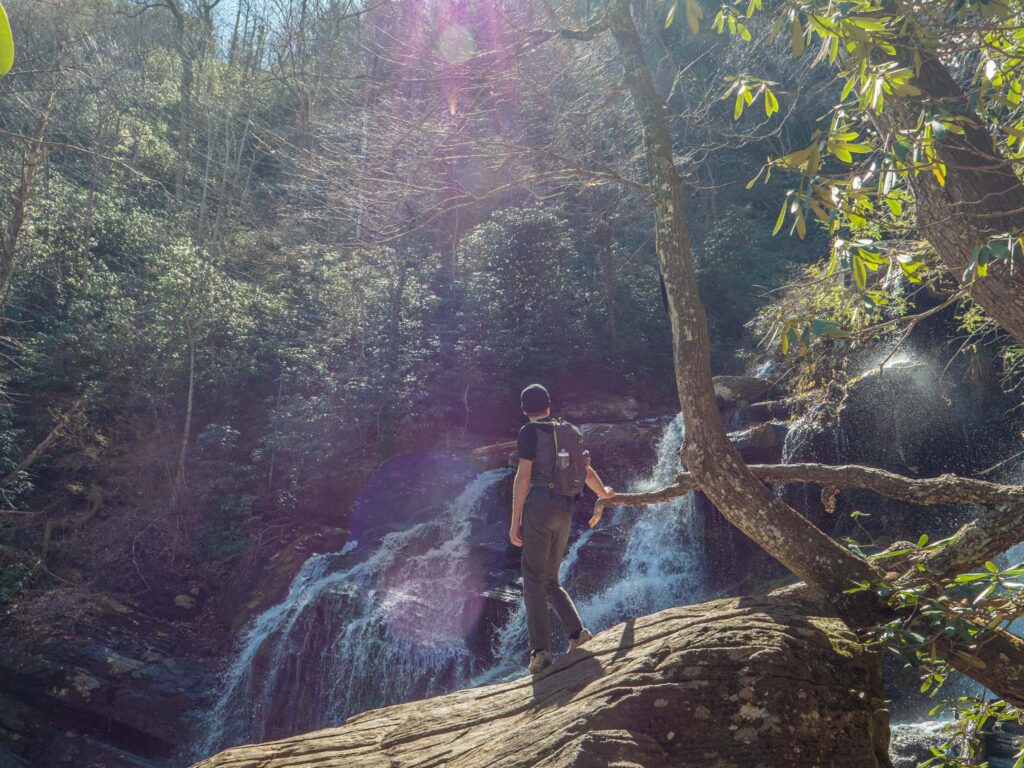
(553, 423)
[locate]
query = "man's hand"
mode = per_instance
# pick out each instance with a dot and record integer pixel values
(515, 535)
(607, 493)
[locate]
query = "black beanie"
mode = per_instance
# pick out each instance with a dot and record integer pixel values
(535, 399)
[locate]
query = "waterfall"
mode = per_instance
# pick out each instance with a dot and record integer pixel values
(660, 563)
(390, 628)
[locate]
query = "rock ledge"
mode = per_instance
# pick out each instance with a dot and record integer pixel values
(739, 682)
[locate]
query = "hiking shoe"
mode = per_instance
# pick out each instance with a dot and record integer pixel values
(540, 661)
(584, 636)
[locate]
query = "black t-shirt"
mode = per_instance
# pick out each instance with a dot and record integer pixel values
(526, 443)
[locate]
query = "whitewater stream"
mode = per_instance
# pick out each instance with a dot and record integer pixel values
(389, 623)
(391, 627)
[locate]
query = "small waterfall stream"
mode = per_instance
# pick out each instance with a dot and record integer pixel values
(391, 628)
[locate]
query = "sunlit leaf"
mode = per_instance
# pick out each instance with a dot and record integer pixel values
(797, 37)
(694, 14)
(6, 44)
(781, 219)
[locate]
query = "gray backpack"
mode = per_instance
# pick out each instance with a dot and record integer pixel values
(570, 459)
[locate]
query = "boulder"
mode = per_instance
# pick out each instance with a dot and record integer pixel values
(108, 687)
(622, 452)
(761, 443)
(739, 682)
(755, 413)
(612, 409)
(737, 390)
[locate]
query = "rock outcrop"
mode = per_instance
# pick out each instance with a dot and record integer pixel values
(738, 682)
(113, 688)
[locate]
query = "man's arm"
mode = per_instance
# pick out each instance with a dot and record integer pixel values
(520, 487)
(596, 484)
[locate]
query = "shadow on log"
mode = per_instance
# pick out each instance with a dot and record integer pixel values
(741, 682)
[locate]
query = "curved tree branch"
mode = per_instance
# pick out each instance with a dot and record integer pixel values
(990, 534)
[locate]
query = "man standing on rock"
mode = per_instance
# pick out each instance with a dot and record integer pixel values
(553, 468)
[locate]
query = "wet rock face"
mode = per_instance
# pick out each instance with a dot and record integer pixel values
(913, 419)
(405, 490)
(606, 410)
(116, 690)
(898, 419)
(1003, 744)
(736, 390)
(733, 683)
(623, 451)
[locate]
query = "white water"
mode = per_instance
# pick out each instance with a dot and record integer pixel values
(387, 629)
(662, 564)
(391, 628)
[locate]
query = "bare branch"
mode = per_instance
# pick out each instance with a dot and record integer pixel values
(987, 536)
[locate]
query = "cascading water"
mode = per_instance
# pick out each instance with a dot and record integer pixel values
(390, 628)
(661, 564)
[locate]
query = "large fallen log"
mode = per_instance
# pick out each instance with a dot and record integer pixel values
(739, 682)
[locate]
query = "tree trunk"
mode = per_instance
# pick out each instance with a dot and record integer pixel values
(982, 195)
(179, 481)
(34, 154)
(707, 452)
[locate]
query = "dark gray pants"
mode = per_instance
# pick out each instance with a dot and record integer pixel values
(547, 517)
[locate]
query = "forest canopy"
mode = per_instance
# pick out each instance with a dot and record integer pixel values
(251, 250)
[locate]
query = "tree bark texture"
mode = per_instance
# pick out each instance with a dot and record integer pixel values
(719, 471)
(707, 452)
(982, 195)
(21, 199)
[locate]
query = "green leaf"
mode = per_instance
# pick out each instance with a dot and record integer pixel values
(985, 593)
(860, 272)
(771, 104)
(849, 87)
(923, 540)
(797, 37)
(780, 220)
(967, 578)
(894, 553)
(694, 14)
(991, 567)
(671, 15)
(6, 44)
(791, 339)
(834, 331)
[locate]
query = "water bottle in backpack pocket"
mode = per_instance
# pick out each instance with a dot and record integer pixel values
(570, 460)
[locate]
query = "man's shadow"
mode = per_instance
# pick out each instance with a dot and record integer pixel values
(562, 681)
